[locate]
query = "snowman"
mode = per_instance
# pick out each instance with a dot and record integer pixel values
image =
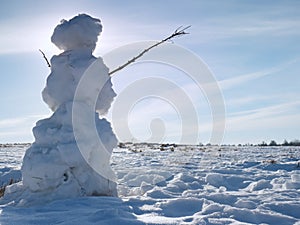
(54, 166)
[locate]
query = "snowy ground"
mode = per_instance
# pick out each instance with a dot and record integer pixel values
(180, 185)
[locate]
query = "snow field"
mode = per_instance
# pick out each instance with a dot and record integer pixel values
(199, 186)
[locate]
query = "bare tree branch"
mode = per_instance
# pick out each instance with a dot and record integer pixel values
(178, 32)
(44, 56)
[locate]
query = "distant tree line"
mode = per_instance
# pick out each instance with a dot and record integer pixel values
(285, 143)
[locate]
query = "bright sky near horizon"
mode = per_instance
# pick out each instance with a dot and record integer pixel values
(251, 47)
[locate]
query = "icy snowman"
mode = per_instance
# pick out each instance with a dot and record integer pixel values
(67, 161)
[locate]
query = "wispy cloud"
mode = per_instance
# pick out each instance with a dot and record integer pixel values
(239, 80)
(259, 20)
(18, 129)
(17, 36)
(275, 116)
(255, 98)
(16, 122)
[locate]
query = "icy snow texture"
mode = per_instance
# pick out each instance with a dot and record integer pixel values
(53, 167)
(190, 185)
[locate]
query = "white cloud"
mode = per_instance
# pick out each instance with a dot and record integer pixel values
(255, 98)
(18, 129)
(259, 23)
(238, 80)
(276, 116)
(34, 33)
(26, 36)
(20, 121)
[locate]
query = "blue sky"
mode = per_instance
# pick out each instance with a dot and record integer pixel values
(251, 47)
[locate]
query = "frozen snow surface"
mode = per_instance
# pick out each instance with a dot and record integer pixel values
(176, 185)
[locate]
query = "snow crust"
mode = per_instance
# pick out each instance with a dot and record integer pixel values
(189, 185)
(54, 167)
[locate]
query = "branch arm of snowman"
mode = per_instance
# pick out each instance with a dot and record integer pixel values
(178, 32)
(46, 59)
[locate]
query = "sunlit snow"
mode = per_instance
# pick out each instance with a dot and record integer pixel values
(179, 185)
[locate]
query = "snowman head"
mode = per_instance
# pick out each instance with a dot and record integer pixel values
(80, 32)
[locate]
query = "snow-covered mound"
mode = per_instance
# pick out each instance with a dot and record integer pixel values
(53, 167)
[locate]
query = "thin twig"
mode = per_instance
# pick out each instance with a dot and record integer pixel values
(178, 32)
(44, 56)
